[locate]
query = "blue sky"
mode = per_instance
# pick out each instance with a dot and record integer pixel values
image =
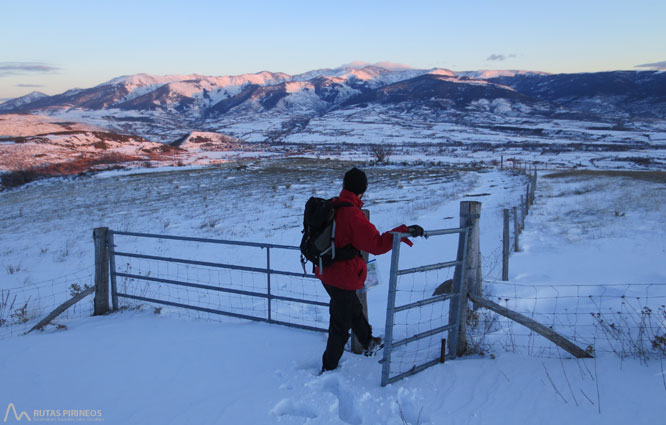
(52, 46)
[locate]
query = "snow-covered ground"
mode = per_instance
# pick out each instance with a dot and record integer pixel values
(482, 134)
(139, 367)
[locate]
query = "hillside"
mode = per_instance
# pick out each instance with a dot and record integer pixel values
(175, 366)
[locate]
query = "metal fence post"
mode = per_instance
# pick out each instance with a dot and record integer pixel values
(112, 264)
(268, 282)
(505, 246)
(458, 305)
(101, 271)
(388, 330)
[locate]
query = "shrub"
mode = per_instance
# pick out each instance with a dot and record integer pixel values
(381, 151)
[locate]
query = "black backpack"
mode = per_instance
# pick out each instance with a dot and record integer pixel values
(318, 242)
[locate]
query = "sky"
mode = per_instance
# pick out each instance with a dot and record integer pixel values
(52, 46)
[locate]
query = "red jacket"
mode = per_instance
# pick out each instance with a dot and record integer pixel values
(351, 227)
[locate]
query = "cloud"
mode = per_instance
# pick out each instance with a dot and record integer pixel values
(21, 68)
(500, 57)
(30, 85)
(657, 65)
(496, 57)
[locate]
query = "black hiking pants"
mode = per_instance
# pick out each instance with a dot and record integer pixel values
(346, 313)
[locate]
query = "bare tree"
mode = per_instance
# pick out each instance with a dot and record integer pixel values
(381, 151)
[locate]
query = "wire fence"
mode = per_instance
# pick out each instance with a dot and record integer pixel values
(624, 319)
(418, 319)
(212, 279)
(22, 307)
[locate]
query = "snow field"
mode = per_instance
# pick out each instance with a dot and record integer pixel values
(139, 368)
(167, 369)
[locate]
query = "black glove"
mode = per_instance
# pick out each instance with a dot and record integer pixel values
(415, 230)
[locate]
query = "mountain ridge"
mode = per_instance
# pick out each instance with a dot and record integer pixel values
(166, 105)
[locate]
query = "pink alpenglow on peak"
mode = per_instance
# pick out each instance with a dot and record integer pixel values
(444, 72)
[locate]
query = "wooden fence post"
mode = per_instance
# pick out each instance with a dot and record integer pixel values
(101, 271)
(62, 307)
(473, 277)
(505, 246)
(532, 324)
(523, 207)
(516, 229)
(470, 213)
(356, 346)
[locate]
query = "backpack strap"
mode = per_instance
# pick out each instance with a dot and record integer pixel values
(346, 252)
(338, 204)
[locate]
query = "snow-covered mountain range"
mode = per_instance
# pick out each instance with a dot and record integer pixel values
(157, 105)
(558, 119)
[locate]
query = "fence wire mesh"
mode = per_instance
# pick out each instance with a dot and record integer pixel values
(406, 323)
(420, 300)
(22, 307)
(259, 282)
(624, 319)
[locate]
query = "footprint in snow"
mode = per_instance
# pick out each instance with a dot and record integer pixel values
(288, 407)
(346, 407)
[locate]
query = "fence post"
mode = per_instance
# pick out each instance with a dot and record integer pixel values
(101, 271)
(466, 278)
(112, 262)
(472, 216)
(523, 207)
(268, 283)
(505, 246)
(516, 229)
(527, 198)
(534, 183)
(390, 310)
(502, 162)
(356, 346)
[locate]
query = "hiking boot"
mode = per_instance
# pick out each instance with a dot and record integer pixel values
(375, 344)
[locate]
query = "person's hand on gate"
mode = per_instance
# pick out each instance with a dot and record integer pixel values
(415, 230)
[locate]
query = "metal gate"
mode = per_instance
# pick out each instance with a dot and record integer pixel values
(212, 287)
(415, 343)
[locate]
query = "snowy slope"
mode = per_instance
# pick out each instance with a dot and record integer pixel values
(21, 101)
(21, 125)
(169, 369)
(160, 370)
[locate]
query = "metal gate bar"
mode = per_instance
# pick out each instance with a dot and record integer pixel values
(268, 295)
(451, 327)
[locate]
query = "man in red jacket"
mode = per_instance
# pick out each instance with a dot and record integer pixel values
(341, 279)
